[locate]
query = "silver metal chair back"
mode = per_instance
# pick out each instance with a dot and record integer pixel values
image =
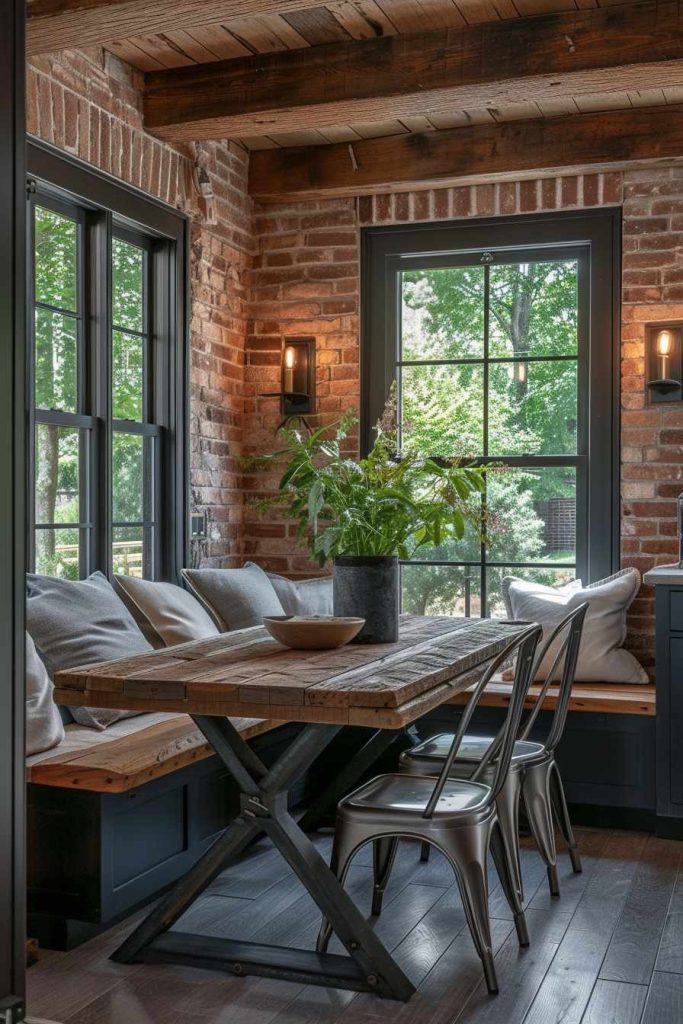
(566, 637)
(503, 746)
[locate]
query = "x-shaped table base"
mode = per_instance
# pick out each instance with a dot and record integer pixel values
(369, 966)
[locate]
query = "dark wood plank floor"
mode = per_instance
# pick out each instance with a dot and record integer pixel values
(610, 951)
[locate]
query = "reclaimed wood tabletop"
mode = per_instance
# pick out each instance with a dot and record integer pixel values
(248, 673)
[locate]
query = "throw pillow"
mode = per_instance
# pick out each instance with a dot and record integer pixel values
(166, 614)
(81, 622)
(44, 726)
(303, 597)
(602, 658)
(236, 598)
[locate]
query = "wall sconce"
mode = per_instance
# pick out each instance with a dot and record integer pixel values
(298, 377)
(663, 362)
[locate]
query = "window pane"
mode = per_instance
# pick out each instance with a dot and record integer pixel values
(533, 408)
(440, 589)
(494, 584)
(55, 259)
(57, 474)
(132, 478)
(56, 366)
(442, 410)
(533, 309)
(57, 552)
(442, 313)
(128, 263)
(531, 515)
(129, 551)
(127, 376)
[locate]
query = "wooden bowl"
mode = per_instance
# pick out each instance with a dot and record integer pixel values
(312, 632)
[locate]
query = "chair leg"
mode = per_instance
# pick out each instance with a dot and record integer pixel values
(467, 850)
(383, 854)
(504, 866)
(559, 803)
(343, 848)
(507, 806)
(536, 792)
(424, 852)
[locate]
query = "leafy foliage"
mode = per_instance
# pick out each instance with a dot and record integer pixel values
(531, 407)
(379, 505)
(58, 449)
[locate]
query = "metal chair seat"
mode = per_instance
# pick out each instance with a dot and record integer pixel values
(405, 797)
(432, 752)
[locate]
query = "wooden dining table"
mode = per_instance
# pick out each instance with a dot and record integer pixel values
(246, 673)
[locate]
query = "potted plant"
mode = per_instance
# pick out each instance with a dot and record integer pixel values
(366, 514)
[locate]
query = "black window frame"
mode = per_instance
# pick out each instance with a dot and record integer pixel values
(594, 238)
(108, 208)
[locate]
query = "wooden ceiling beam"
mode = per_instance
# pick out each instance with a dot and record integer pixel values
(615, 138)
(631, 46)
(64, 24)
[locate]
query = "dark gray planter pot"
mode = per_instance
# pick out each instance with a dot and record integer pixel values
(367, 586)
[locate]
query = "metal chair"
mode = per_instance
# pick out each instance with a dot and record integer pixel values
(457, 816)
(533, 770)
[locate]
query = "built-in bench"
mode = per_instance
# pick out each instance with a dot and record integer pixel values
(116, 816)
(599, 698)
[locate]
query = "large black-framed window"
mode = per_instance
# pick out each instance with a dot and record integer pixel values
(498, 336)
(107, 375)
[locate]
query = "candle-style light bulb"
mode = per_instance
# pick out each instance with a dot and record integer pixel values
(289, 369)
(663, 345)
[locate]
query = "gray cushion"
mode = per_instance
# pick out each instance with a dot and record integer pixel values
(44, 726)
(237, 598)
(303, 597)
(165, 613)
(601, 656)
(80, 622)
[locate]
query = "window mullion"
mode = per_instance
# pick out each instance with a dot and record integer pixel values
(483, 606)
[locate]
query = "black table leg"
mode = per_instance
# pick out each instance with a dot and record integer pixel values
(349, 776)
(368, 968)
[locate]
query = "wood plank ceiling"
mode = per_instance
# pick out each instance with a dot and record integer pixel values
(356, 96)
(270, 26)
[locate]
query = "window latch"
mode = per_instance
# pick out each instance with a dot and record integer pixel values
(11, 1010)
(31, 186)
(486, 257)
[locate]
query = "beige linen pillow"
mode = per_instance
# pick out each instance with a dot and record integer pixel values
(601, 656)
(166, 614)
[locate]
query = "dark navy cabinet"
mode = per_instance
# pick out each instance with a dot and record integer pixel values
(668, 583)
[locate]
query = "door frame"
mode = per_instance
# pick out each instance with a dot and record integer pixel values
(12, 501)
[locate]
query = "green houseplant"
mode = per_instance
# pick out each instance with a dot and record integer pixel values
(364, 514)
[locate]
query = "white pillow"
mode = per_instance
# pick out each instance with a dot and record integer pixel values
(44, 726)
(601, 657)
(235, 598)
(303, 597)
(165, 613)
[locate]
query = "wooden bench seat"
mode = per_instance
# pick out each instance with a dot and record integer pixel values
(108, 762)
(603, 698)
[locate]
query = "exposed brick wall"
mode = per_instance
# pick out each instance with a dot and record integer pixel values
(651, 435)
(306, 280)
(88, 104)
